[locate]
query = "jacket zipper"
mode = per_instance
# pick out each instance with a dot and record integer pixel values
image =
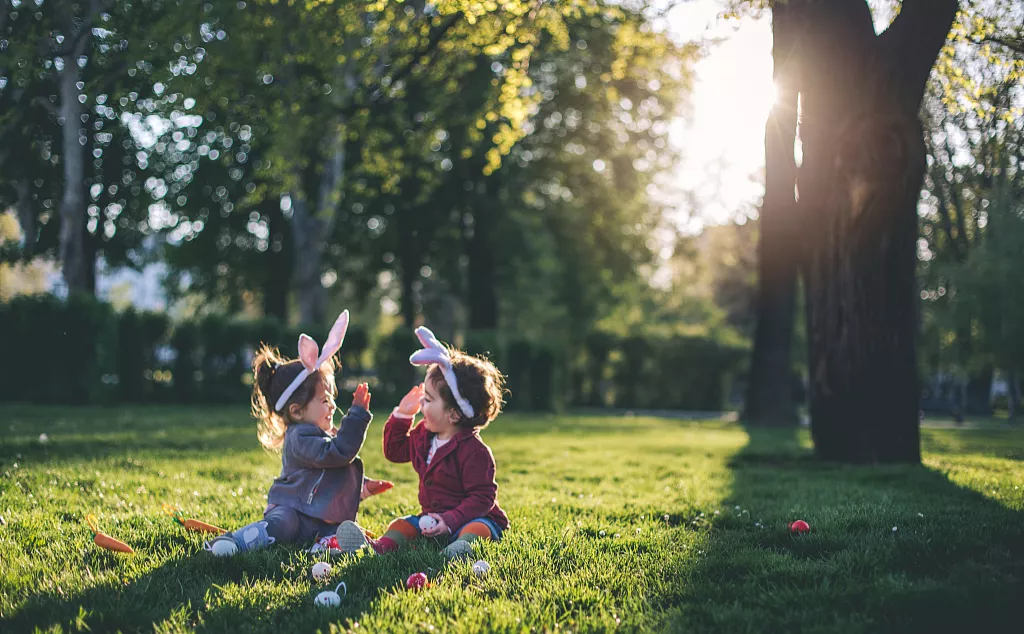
(316, 485)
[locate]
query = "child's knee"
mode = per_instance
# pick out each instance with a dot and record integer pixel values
(477, 529)
(407, 527)
(282, 523)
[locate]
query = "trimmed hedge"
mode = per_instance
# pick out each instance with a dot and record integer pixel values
(80, 351)
(58, 351)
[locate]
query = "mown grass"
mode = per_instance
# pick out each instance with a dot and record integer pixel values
(618, 524)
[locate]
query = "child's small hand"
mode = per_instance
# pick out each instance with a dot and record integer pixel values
(438, 530)
(361, 397)
(374, 487)
(410, 405)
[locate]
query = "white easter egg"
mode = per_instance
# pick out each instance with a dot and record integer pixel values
(328, 599)
(321, 570)
(481, 568)
(427, 522)
(331, 598)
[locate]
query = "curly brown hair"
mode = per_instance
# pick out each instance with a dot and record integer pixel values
(480, 383)
(272, 374)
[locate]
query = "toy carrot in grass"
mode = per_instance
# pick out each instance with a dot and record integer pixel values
(103, 540)
(193, 525)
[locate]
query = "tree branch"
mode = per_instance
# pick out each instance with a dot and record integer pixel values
(47, 105)
(75, 42)
(1017, 46)
(4, 14)
(913, 42)
(414, 63)
(111, 77)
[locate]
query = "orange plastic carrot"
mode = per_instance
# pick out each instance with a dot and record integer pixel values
(202, 527)
(193, 525)
(103, 540)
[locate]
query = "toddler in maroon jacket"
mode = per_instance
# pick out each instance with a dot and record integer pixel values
(459, 496)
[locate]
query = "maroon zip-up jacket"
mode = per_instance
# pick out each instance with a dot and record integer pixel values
(459, 483)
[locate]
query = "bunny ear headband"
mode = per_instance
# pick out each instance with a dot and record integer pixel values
(312, 358)
(433, 352)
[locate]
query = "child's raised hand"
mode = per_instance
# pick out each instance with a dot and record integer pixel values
(361, 397)
(410, 405)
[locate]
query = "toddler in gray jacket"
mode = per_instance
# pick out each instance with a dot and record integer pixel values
(321, 481)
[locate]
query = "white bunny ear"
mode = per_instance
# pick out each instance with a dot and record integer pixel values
(428, 339)
(428, 356)
(433, 352)
(308, 352)
(335, 337)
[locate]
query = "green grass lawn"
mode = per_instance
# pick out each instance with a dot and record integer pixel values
(617, 524)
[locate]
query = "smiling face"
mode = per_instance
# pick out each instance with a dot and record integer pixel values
(437, 416)
(319, 410)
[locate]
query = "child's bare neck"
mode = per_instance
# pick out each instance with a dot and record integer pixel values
(446, 434)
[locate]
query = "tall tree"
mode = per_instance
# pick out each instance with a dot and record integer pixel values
(769, 398)
(859, 185)
(76, 67)
(321, 107)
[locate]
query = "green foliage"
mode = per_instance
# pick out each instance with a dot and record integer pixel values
(58, 351)
(485, 343)
(114, 52)
(545, 380)
(187, 374)
(517, 374)
(138, 336)
(394, 372)
(972, 237)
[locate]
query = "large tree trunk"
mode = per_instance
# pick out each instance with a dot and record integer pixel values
(409, 264)
(859, 185)
(313, 226)
(770, 391)
(1013, 393)
(279, 263)
(73, 255)
(26, 215)
(482, 295)
(978, 392)
(308, 244)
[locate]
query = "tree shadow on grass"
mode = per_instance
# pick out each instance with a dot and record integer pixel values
(59, 434)
(256, 592)
(891, 549)
(271, 590)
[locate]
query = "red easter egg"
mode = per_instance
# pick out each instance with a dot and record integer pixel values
(416, 581)
(799, 526)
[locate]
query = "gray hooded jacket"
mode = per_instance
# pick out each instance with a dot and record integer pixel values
(322, 475)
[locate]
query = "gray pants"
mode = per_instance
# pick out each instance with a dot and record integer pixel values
(286, 525)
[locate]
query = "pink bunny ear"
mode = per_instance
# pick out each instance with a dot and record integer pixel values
(335, 337)
(308, 352)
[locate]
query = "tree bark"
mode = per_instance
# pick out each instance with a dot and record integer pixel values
(308, 244)
(72, 207)
(280, 263)
(1013, 393)
(409, 264)
(482, 287)
(859, 185)
(770, 391)
(26, 216)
